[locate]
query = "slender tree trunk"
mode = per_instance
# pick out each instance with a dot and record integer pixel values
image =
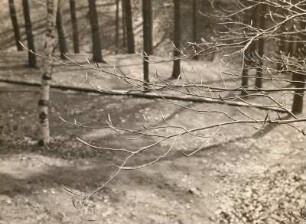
(15, 24)
(299, 51)
(249, 17)
(60, 32)
(293, 40)
(150, 34)
(147, 39)
(248, 63)
(283, 41)
(117, 26)
(123, 23)
(281, 49)
(177, 41)
(75, 31)
(286, 45)
(96, 41)
(260, 23)
(29, 33)
(244, 79)
(195, 26)
(46, 78)
(129, 27)
(299, 83)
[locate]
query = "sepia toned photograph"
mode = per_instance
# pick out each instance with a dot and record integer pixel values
(152, 112)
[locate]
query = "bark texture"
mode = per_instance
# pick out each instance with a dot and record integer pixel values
(94, 24)
(46, 78)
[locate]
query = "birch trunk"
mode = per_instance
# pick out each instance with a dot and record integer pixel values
(47, 68)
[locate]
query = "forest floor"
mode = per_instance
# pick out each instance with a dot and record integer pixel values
(243, 175)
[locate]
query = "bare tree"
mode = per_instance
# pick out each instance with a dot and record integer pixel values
(123, 23)
(75, 30)
(51, 6)
(60, 32)
(117, 26)
(15, 24)
(29, 33)
(260, 23)
(96, 40)
(248, 54)
(195, 25)
(129, 27)
(240, 38)
(176, 41)
(298, 74)
(147, 39)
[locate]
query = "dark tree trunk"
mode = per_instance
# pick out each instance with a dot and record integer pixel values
(29, 33)
(117, 26)
(129, 27)
(15, 24)
(244, 80)
(298, 78)
(147, 39)
(150, 34)
(177, 41)
(75, 31)
(281, 44)
(60, 32)
(123, 23)
(248, 63)
(96, 41)
(249, 18)
(195, 26)
(260, 23)
(292, 45)
(299, 83)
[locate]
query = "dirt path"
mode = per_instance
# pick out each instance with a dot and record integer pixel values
(263, 175)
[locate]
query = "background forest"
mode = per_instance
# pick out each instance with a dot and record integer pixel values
(149, 111)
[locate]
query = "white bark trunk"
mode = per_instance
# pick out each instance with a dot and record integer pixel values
(46, 78)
